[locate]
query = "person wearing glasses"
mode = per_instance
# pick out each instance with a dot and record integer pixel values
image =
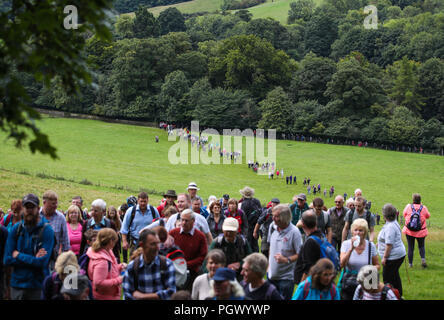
(359, 212)
(337, 215)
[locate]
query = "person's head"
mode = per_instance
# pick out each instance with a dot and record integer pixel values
(232, 205)
(215, 207)
(230, 228)
(339, 202)
(73, 214)
(162, 233)
(79, 292)
(318, 205)
(416, 198)
(224, 284)
(389, 212)
(106, 239)
(50, 202)
(366, 275)
(225, 198)
(77, 201)
(142, 201)
(302, 199)
(98, 208)
(111, 213)
(187, 220)
(360, 204)
(358, 193)
(123, 207)
(183, 201)
(211, 199)
(350, 203)
(149, 243)
(168, 212)
(281, 216)
(215, 259)
(359, 228)
(322, 274)
(181, 295)
(170, 196)
(31, 214)
(195, 205)
(91, 236)
(254, 267)
(309, 220)
(17, 207)
(192, 189)
(247, 192)
(66, 264)
(275, 202)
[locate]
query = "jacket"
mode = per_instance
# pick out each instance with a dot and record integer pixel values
(29, 271)
(106, 284)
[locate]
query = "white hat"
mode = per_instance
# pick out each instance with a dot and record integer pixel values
(230, 224)
(193, 185)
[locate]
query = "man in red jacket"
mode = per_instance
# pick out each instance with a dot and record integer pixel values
(192, 242)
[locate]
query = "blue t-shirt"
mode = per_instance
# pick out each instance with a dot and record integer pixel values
(141, 220)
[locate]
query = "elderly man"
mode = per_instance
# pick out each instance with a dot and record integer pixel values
(184, 203)
(28, 250)
(233, 244)
(252, 208)
(359, 212)
(285, 242)
(298, 207)
(149, 276)
(58, 223)
(337, 215)
(225, 287)
(192, 191)
(254, 284)
(192, 242)
(137, 218)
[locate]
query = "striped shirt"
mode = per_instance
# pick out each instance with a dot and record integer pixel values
(150, 279)
(58, 223)
(373, 296)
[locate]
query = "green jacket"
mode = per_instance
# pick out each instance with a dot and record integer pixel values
(296, 212)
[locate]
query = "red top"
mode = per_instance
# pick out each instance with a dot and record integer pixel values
(423, 215)
(193, 246)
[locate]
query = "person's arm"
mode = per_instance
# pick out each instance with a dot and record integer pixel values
(329, 234)
(209, 237)
(345, 255)
(388, 249)
(65, 245)
(345, 230)
(124, 230)
(100, 276)
(372, 234)
(256, 230)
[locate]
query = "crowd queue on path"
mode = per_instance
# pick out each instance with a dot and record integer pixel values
(229, 248)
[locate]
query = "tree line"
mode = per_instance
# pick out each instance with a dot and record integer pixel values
(323, 74)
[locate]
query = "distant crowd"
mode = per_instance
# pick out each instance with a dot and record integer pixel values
(221, 249)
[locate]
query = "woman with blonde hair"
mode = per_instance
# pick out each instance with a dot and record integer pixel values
(75, 228)
(356, 253)
(65, 265)
(103, 269)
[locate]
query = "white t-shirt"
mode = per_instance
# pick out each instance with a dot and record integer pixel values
(391, 234)
(200, 222)
(357, 261)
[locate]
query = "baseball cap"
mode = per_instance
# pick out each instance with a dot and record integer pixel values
(31, 198)
(223, 274)
(230, 224)
(275, 200)
(226, 196)
(302, 196)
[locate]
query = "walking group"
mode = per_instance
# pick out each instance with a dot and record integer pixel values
(226, 249)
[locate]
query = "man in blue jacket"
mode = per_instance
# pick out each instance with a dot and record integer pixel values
(28, 250)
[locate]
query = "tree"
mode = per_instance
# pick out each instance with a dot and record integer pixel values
(404, 127)
(431, 86)
(306, 115)
(125, 26)
(171, 97)
(300, 9)
(145, 24)
(244, 15)
(277, 111)
(171, 20)
(33, 40)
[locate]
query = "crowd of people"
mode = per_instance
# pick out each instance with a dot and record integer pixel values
(184, 248)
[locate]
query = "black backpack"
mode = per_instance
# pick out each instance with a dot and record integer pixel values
(415, 220)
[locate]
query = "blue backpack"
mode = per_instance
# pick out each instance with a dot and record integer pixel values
(415, 219)
(328, 251)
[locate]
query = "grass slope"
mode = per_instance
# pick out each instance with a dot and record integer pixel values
(121, 159)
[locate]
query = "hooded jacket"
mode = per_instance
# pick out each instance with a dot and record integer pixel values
(104, 271)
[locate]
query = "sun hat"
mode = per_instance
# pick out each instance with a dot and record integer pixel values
(193, 185)
(230, 224)
(247, 192)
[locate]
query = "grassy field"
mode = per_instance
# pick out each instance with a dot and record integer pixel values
(112, 161)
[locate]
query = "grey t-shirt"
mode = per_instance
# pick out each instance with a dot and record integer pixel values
(287, 242)
(391, 234)
(357, 216)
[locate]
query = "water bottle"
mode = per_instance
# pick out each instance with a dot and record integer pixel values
(356, 242)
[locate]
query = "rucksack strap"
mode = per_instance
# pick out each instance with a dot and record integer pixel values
(384, 292)
(306, 288)
(369, 253)
(333, 291)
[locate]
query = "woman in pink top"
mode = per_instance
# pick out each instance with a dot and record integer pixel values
(74, 226)
(103, 269)
(418, 235)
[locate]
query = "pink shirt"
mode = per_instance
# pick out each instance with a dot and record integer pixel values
(424, 215)
(75, 237)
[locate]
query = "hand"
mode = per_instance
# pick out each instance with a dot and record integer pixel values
(125, 245)
(384, 261)
(42, 252)
(234, 266)
(124, 265)
(255, 234)
(280, 258)
(15, 253)
(137, 295)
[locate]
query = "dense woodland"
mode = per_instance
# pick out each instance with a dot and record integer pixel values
(323, 74)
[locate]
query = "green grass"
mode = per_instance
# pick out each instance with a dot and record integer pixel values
(118, 160)
(188, 7)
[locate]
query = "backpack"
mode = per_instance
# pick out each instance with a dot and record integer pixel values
(39, 237)
(7, 219)
(384, 292)
(307, 290)
(84, 263)
(328, 251)
(177, 256)
(415, 220)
